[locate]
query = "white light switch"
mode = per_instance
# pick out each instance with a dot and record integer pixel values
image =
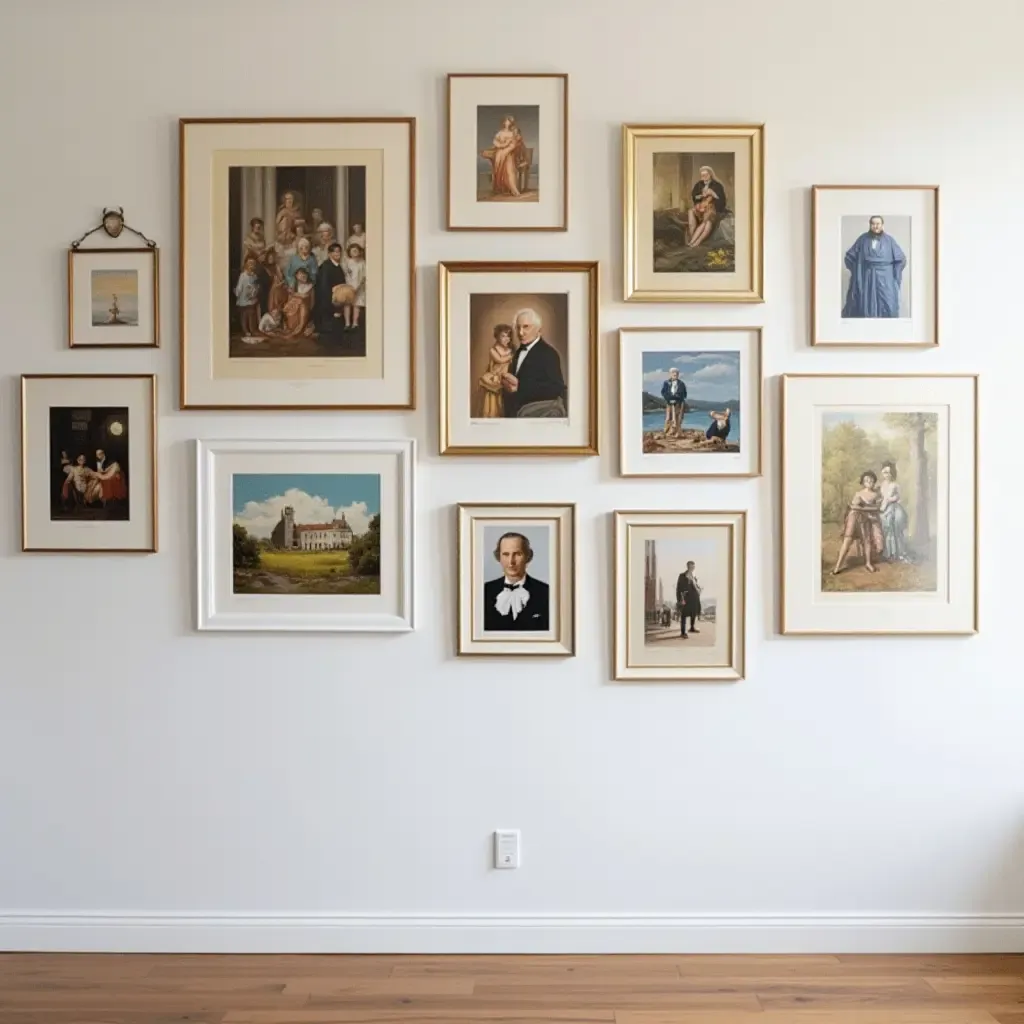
(506, 848)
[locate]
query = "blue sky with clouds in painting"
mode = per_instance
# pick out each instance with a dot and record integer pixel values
(711, 376)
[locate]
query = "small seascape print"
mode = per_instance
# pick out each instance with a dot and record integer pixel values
(114, 298)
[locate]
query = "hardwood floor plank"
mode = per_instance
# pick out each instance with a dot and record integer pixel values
(406, 1016)
(523, 966)
(954, 1016)
(394, 987)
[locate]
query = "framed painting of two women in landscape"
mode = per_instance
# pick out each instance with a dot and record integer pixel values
(292, 234)
(693, 213)
(879, 504)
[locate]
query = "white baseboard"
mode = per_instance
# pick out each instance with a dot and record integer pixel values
(511, 933)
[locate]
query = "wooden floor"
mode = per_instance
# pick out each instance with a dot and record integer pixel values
(144, 989)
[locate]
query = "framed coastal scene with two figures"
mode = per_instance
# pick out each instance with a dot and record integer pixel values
(693, 213)
(287, 256)
(690, 401)
(880, 515)
(874, 268)
(508, 164)
(518, 358)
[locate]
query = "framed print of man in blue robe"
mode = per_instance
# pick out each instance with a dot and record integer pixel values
(874, 269)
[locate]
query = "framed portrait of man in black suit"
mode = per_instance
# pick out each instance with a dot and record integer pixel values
(516, 586)
(518, 358)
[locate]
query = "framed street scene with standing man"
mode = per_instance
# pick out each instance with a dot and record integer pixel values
(287, 256)
(508, 152)
(518, 358)
(879, 485)
(874, 270)
(690, 401)
(517, 589)
(693, 213)
(679, 595)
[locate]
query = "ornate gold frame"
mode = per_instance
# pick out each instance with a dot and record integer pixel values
(815, 340)
(183, 123)
(564, 226)
(736, 529)
(784, 378)
(759, 355)
(445, 271)
(155, 253)
(460, 593)
(151, 377)
(630, 134)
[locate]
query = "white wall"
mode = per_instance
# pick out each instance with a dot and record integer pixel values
(147, 770)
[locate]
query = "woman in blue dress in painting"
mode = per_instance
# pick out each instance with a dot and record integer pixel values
(894, 516)
(876, 265)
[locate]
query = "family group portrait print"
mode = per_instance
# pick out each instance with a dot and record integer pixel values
(694, 225)
(874, 270)
(297, 254)
(306, 533)
(691, 401)
(519, 356)
(88, 454)
(508, 153)
(879, 500)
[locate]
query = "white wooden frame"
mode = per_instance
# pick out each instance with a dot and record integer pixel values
(309, 613)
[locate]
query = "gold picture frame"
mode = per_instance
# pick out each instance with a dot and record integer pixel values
(464, 289)
(650, 648)
(922, 331)
(808, 609)
(457, 217)
(92, 333)
(209, 148)
(93, 517)
(738, 239)
(635, 460)
(554, 548)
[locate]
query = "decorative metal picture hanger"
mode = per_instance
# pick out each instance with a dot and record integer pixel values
(113, 224)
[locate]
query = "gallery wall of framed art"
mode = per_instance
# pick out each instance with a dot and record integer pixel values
(408, 361)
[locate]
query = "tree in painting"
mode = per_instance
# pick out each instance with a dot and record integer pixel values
(878, 501)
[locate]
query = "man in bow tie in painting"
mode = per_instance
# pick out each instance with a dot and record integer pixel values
(516, 601)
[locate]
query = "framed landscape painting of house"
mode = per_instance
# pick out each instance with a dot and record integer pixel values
(297, 258)
(305, 535)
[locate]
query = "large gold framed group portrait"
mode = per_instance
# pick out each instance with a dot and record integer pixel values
(297, 263)
(693, 213)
